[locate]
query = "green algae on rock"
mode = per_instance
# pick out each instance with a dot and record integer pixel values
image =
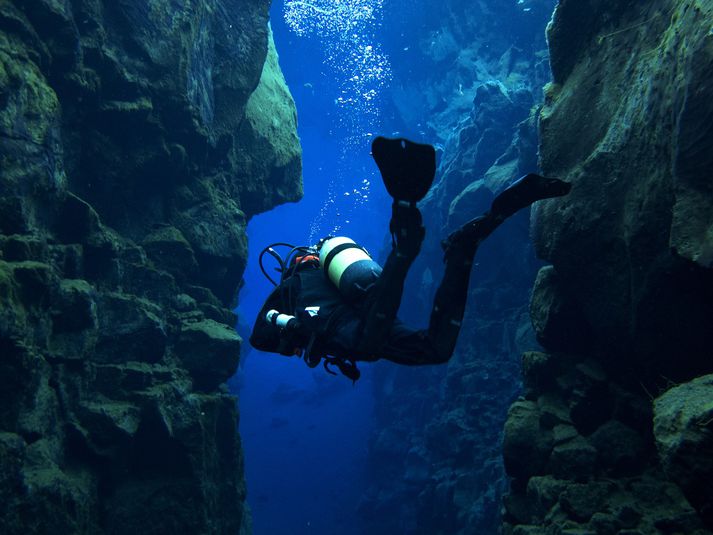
(125, 167)
(626, 309)
(683, 427)
(272, 159)
(566, 476)
(630, 240)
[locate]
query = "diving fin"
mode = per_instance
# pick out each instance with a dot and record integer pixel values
(407, 168)
(526, 190)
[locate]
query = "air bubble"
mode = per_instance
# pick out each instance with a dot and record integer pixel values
(346, 31)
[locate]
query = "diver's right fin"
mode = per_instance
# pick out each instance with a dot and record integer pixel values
(407, 168)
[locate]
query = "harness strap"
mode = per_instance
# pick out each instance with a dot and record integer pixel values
(310, 359)
(311, 354)
(346, 366)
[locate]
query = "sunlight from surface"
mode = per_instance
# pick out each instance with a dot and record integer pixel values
(346, 31)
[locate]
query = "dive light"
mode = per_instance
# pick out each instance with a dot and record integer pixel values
(283, 321)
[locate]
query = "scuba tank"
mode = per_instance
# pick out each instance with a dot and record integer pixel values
(348, 266)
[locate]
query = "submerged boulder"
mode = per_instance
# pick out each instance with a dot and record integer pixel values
(558, 323)
(601, 481)
(170, 250)
(525, 448)
(209, 351)
(683, 426)
(273, 156)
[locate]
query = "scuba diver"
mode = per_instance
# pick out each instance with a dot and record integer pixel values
(334, 304)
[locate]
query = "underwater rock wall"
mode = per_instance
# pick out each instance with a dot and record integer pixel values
(449, 48)
(136, 140)
(615, 431)
(435, 456)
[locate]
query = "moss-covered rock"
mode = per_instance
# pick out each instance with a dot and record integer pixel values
(627, 306)
(603, 481)
(75, 308)
(168, 248)
(683, 426)
(126, 156)
(209, 351)
(558, 323)
(129, 329)
(630, 243)
(525, 448)
(270, 130)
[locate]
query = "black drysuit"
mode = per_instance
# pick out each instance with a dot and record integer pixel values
(368, 328)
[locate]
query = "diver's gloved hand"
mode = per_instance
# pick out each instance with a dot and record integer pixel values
(407, 228)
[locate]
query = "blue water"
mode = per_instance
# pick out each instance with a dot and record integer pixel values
(305, 433)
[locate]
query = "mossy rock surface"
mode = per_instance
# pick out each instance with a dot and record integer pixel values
(631, 243)
(210, 352)
(683, 426)
(127, 158)
(604, 478)
(626, 308)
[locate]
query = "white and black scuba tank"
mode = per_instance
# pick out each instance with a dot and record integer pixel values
(348, 266)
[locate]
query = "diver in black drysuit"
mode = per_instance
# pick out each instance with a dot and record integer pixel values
(365, 328)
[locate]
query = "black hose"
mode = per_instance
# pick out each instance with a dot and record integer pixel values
(294, 252)
(269, 249)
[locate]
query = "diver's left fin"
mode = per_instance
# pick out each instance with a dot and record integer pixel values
(407, 168)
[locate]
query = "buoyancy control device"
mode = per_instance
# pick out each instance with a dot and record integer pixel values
(300, 314)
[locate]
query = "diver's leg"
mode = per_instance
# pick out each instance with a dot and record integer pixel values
(461, 246)
(408, 346)
(383, 301)
(526, 190)
(452, 294)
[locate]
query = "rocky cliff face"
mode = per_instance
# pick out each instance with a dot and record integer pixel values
(136, 139)
(600, 442)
